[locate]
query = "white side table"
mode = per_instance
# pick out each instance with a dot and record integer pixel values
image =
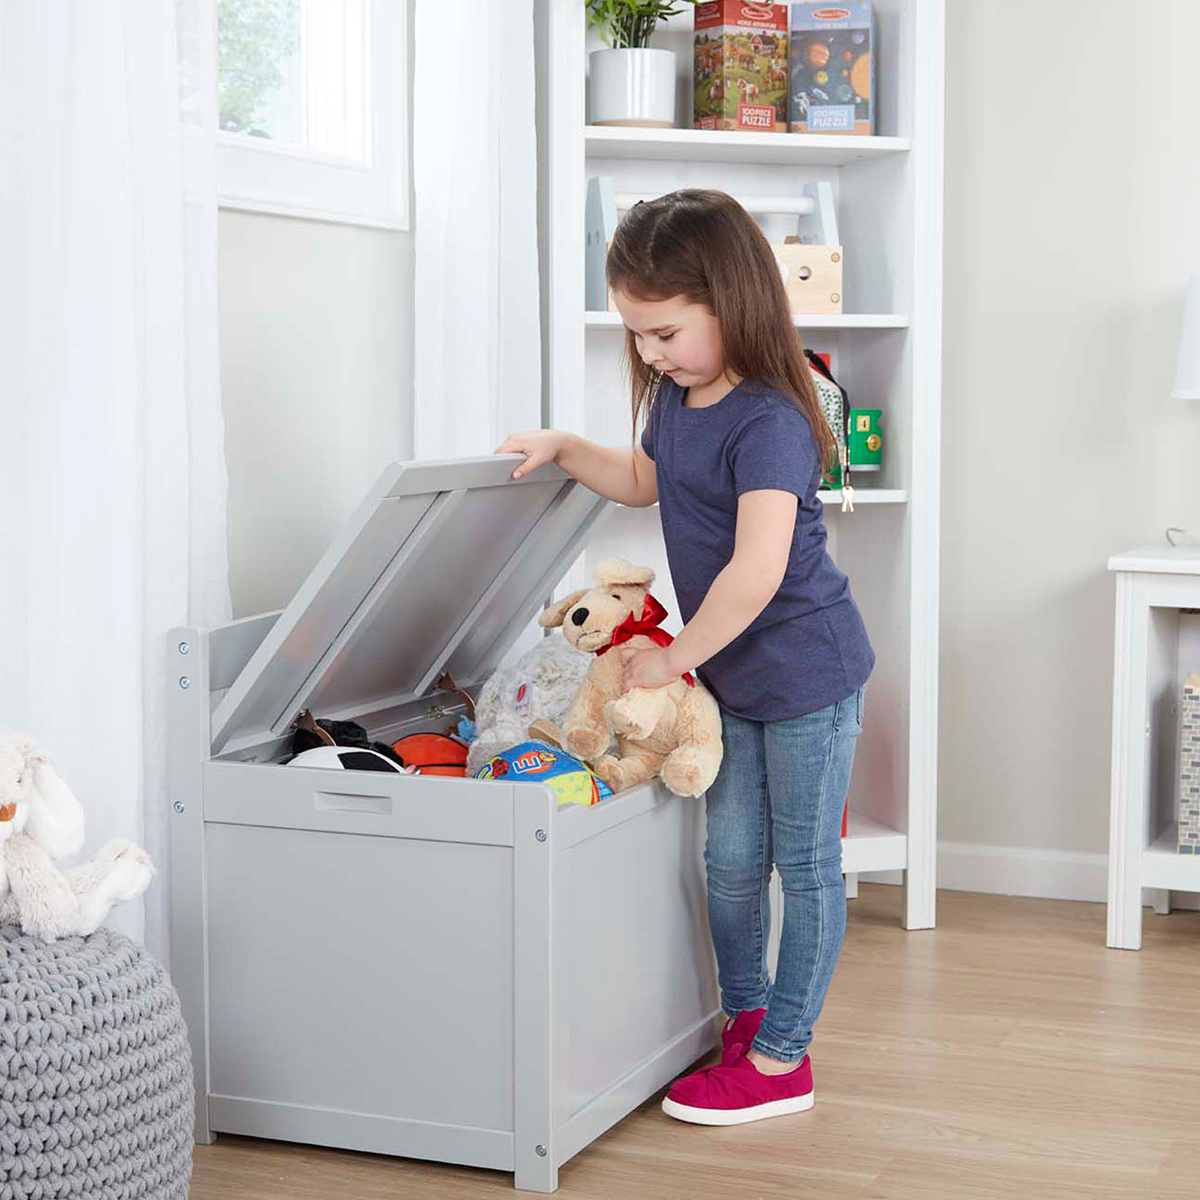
(1157, 644)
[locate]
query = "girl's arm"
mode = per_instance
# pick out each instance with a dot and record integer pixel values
(626, 476)
(766, 521)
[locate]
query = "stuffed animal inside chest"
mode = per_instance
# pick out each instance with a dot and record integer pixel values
(672, 731)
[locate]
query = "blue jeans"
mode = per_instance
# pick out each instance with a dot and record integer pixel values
(778, 801)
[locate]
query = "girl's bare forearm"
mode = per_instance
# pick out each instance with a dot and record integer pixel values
(737, 596)
(618, 475)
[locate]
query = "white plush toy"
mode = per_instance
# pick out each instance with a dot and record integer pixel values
(41, 821)
(540, 685)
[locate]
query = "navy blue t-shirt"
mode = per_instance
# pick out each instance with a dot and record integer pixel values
(808, 648)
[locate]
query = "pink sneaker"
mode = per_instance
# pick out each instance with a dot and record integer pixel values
(738, 1034)
(736, 1094)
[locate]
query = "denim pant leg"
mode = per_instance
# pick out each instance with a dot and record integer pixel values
(738, 857)
(808, 761)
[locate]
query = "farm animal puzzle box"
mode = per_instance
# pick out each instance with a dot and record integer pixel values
(833, 68)
(740, 75)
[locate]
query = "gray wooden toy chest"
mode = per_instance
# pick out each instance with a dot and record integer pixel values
(431, 967)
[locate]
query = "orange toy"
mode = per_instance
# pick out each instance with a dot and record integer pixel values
(433, 754)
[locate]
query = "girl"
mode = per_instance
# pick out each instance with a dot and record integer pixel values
(734, 448)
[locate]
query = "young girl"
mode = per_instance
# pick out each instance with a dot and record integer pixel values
(733, 451)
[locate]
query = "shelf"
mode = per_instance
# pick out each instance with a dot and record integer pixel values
(866, 495)
(816, 321)
(850, 320)
(869, 846)
(1164, 867)
(734, 146)
(1158, 560)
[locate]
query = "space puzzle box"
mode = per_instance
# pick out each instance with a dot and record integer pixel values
(832, 56)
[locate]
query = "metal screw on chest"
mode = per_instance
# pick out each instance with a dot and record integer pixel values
(540, 1151)
(184, 647)
(540, 835)
(184, 682)
(178, 806)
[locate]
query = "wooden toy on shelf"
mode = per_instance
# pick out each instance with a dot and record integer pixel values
(803, 231)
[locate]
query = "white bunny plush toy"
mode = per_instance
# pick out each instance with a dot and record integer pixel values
(40, 822)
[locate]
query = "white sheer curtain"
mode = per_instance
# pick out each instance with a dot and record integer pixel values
(112, 483)
(477, 357)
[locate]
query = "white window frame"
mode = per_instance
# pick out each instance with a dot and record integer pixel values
(255, 175)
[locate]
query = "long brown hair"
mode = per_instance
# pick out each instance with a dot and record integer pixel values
(704, 246)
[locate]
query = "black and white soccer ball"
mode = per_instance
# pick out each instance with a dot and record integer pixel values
(346, 758)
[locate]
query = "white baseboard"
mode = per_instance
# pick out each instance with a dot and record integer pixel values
(895, 878)
(1018, 871)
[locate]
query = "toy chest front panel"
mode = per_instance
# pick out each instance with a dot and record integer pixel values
(361, 951)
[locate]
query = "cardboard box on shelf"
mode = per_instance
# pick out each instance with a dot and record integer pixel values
(832, 73)
(740, 66)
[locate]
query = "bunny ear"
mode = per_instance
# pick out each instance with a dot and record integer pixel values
(616, 570)
(554, 616)
(55, 816)
(23, 745)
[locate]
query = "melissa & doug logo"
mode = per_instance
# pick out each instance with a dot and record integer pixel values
(831, 14)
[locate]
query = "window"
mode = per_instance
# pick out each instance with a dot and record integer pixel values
(311, 102)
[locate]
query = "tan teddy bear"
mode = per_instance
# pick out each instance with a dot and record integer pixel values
(673, 731)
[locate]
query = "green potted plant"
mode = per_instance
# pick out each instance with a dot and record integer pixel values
(631, 83)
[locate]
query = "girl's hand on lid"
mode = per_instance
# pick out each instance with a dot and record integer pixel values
(540, 446)
(648, 668)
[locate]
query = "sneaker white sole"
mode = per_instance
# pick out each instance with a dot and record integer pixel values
(736, 1116)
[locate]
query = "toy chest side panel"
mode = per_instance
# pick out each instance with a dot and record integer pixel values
(636, 995)
(361, 956)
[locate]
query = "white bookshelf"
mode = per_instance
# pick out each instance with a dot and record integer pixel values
(731, 146)
(885, 349)
(867, 495)
(1163, 867)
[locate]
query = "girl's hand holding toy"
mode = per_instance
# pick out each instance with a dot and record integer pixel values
(648, 668)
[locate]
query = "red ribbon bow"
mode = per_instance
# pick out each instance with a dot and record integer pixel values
(653, 615)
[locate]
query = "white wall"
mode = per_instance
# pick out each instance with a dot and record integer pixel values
(1073, 197)
(316, 382)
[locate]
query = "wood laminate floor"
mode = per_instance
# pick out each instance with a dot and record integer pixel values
(1007, 1054)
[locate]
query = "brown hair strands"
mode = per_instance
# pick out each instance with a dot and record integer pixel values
(704, 246)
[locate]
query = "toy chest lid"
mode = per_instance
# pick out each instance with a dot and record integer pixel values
(442, 567)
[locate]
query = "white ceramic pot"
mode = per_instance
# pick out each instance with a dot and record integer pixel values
(633, 87)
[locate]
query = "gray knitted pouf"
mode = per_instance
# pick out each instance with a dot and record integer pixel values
(95, 1073)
